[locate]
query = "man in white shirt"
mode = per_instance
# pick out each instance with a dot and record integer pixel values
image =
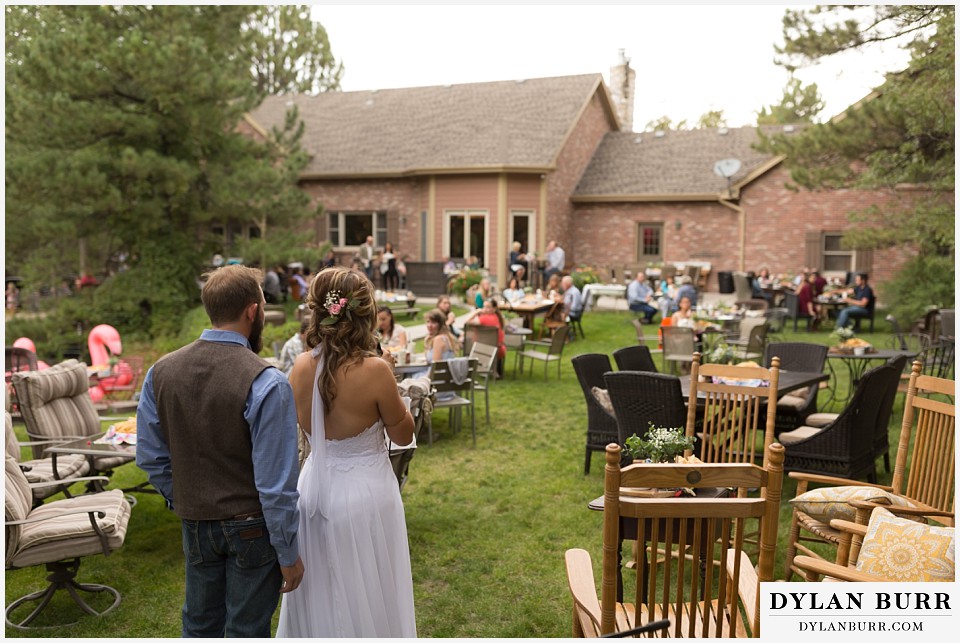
(366, 257)
(556, 258)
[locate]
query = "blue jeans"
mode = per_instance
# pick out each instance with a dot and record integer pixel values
(232, 578)
(648, 311)
(843, 317)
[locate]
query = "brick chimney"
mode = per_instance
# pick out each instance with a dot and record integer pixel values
(622, 83)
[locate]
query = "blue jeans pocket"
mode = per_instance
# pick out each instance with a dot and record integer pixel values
(191, 542)
(249, 541)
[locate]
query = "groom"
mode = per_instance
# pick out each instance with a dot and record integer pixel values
(217, 436)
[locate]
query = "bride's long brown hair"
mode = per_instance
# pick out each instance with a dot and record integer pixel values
(350, 339)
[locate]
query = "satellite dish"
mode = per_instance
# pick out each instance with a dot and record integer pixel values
(726, 168)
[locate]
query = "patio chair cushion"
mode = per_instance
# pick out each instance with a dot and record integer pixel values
(797, 435)
(602, 396)
(58, 399)
(821, 419)
(68, 466)
(827, 503)
(906, 551)
(791, 401)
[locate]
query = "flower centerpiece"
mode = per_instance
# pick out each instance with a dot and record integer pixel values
(849, 343)
(659, 444)
(722, 353)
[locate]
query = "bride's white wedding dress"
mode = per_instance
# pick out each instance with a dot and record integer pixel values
(353, 541)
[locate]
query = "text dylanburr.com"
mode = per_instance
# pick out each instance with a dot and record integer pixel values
(859, 610)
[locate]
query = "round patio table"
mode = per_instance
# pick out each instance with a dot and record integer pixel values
(856, 366)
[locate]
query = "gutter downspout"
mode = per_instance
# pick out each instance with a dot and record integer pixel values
(724, 200)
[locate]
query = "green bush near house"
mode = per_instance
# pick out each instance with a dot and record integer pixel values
(583, 275)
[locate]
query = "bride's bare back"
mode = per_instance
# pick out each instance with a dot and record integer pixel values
(366, 392)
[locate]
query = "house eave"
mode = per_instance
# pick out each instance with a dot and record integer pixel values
(426, 171)
(644, 198)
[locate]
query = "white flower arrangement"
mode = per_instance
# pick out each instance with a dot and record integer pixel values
(660, 444)
(843, 334)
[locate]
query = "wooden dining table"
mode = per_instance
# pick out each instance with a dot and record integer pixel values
(528, 309)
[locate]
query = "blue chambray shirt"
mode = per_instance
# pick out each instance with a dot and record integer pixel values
(275, 463)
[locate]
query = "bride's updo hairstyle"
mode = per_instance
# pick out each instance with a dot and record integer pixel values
(343, 316)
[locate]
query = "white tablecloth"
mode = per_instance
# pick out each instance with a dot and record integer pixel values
(592, 291)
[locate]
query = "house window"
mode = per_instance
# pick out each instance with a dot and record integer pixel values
(466, 234)
(650, 242)
(351, 229)
(835, 257)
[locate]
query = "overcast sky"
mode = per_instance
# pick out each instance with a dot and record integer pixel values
(689, 59)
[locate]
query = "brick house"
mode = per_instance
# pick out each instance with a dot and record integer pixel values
(460, 170)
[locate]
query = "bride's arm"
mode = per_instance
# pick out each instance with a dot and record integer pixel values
(396, 418)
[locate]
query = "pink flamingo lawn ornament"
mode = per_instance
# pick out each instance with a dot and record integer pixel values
(101, 338)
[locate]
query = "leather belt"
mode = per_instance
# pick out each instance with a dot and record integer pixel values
(249, 516)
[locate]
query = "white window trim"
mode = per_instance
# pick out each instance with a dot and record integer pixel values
(468, 213)
(824, 253)
(379, 216)
(638, 247)
(531, 231)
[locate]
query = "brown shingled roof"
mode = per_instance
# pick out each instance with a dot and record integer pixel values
(680, 163)
(505, 124)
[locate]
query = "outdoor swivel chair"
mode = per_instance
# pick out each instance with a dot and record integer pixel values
(69, 469)
(58, 534)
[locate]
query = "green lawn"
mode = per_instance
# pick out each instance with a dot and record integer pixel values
(487, 526)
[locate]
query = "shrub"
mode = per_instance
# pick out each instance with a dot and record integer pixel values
(463, 280)
(584, 275)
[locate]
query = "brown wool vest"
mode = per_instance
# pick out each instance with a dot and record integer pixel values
(201, 391)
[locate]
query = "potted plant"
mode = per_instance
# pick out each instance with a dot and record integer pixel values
(661, 445)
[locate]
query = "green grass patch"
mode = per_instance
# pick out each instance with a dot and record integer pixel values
(487, 525)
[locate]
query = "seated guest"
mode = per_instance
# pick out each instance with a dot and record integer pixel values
(293, 347)
(391, 334)
(640, 298)
(445, 307)
(668, 296)
(686, 289)
(518, 261)
(819, 283)
(490, 315)
(483, 292)
(513, 292)
(553, 286)
(805, 301)
(765, 279)
(572, 299)
(449, 267)
(684, 315)
(860, 304)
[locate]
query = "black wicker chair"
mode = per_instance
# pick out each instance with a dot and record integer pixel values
(845, 447)
(601, 426)
(640, 399)
(634, 358)
(881, 438)
(792, 410)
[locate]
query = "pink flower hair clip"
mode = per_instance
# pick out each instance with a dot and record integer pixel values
(337, 306)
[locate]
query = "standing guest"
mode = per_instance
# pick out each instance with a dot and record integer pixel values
(687, 290)
(366, 253)
(298, 284)
(284, 278)
(13, 298)
(293, 347)
(490, 315)
(388, 268)
(392, 335)
(806, 297)
(513, 292)
(217, 436)
(640, 298)
(402, 271)
(271, 286)
(357, 582)
(572, 299)
(517, 262)
(483, 293)
(555, 260)
(860, 304)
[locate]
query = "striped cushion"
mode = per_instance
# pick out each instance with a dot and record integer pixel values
(13, 448)
(67, 536)
(16, 504)
(56, 402)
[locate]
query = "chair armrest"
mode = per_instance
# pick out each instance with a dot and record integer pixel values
(100, 513)
(67, 481)
(850, 527)
(836, 482)
(748, 585)
(33, 443)
(817, 568)
(901, 511)
(537, 342)
(583, 587)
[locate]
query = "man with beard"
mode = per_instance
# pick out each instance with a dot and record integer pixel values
(217, 436)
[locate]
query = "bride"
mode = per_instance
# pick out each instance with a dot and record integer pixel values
(353, 538)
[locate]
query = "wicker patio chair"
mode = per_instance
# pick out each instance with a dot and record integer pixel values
(723, 603)
(641, 399)
(601, 425)
(634, 358)
(794, 408)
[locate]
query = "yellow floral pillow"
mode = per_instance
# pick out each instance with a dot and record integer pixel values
(905, 551)
(827, 503)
